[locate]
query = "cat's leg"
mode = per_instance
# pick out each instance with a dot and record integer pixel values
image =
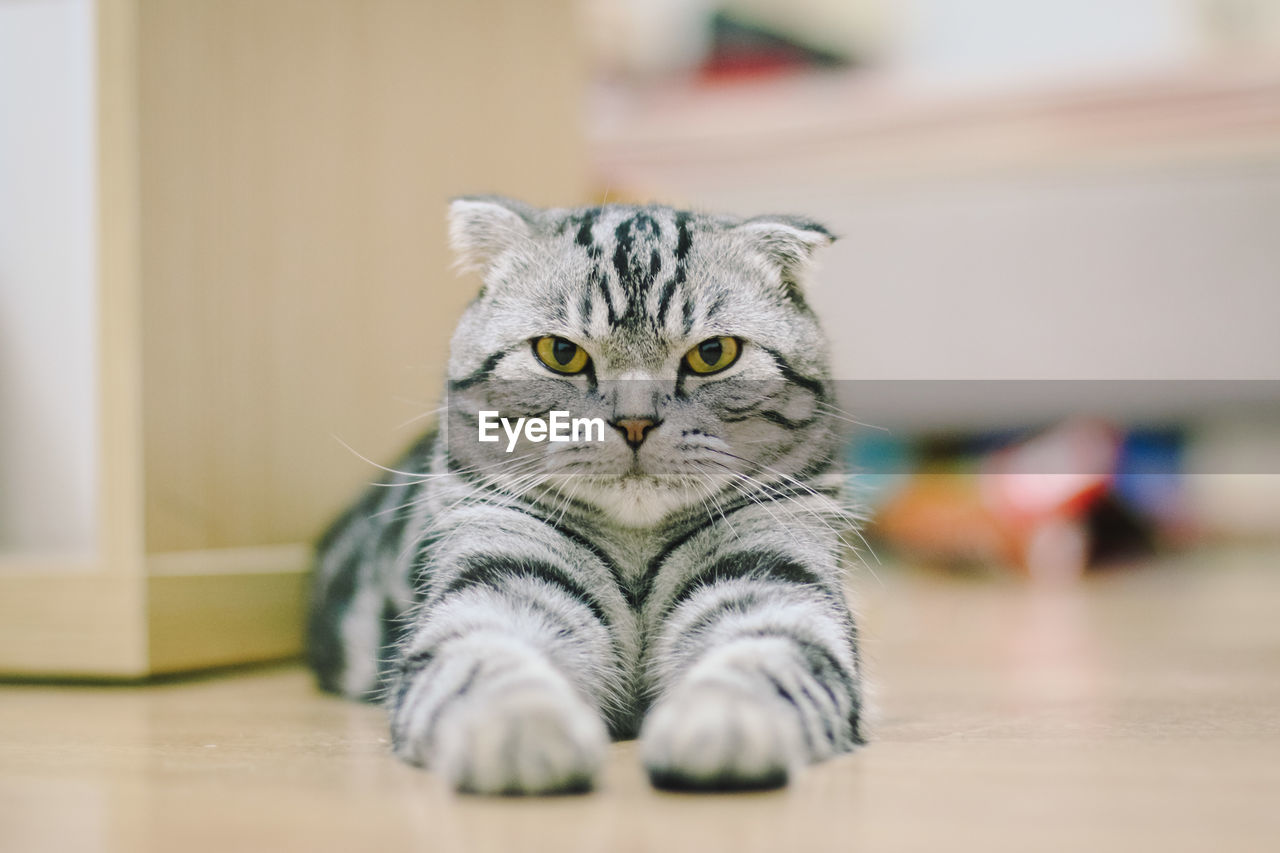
(755, 665)
(513, 666)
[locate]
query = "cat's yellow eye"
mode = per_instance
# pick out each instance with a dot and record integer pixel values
(562, 356)
(712, 355)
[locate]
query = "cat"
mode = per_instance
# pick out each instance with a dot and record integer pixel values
(516, 603)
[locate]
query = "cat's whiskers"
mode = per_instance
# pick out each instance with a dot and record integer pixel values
(420, 500)
(470, 499)
(719, 508)
(419, 417)
(840, 513)
(831, 410)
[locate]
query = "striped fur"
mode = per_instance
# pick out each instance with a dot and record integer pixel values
(518, 609)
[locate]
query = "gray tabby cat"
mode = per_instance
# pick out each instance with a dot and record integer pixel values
(680, 580)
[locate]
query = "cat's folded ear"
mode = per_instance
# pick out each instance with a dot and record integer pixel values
(483, 227)
(787, 242)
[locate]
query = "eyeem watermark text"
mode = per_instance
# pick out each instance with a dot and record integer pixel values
(558, 427)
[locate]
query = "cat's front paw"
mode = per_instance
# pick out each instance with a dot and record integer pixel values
(712, 736)
(521, 740)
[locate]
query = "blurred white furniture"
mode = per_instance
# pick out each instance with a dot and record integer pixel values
(1115, 230)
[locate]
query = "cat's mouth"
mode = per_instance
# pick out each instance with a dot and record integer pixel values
(634, 476)
(636, 497)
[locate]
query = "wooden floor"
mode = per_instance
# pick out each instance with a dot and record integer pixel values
(1139, 711)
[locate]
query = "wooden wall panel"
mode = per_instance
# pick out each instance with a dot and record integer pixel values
(296, 158)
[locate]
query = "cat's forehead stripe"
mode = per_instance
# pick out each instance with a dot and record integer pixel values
(636, 256)
(645, 272)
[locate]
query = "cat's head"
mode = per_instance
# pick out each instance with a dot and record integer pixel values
(686, 334)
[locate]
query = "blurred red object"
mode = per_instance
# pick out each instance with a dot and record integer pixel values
(1023, 506)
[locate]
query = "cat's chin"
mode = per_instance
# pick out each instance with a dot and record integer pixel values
(639, 500)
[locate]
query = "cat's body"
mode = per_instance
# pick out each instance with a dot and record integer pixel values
(680, 580)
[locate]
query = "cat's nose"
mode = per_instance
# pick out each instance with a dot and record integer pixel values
(633, 430)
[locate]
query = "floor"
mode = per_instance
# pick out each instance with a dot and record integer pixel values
(1137, 711)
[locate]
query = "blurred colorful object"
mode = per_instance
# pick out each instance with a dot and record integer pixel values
(1038, 505)
(741, 49)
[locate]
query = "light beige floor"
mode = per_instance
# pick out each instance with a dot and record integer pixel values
(1136, 712)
